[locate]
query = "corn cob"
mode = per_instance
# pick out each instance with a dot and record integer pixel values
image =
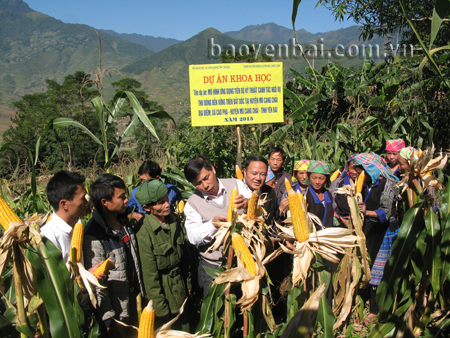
(335, 175)
(243, 252)
(181, 206)
(239, 174)
(360, 182)
(77, 242)
(104, 267)
(287, 184)
(231, 205)
(147, 322)
(302, 200)
(298, 217)
(7, 215)
(252, 204)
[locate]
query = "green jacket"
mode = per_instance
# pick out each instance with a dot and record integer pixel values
(165, 263)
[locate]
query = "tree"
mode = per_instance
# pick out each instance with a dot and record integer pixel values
(251, 56)
(68, 146)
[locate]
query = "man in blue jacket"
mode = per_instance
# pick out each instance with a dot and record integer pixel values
(147, 171)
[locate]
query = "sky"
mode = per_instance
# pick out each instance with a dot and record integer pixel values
(183, 19)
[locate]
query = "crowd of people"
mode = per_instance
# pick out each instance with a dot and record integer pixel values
(166, 260)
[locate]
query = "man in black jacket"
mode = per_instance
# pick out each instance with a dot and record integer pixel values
(255, 173)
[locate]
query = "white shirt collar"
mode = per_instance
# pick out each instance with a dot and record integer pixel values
(219, 194)
(62, 225)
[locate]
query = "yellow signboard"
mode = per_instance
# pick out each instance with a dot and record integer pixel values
(236, 93)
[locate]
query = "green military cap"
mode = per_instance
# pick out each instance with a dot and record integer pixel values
(151, 191)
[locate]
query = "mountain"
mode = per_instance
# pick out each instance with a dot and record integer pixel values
(166, 74)
(152, 43)
(34, 47)
(273, 33)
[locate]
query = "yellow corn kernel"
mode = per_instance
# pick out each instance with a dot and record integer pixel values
(243, 252)
(231, 205)
(77, 242)
(252, 204)
(239, 174)
(147, 322)
(298, 217)
(302, 200)
(104, 267)
(181, 206)
(360, 182)
(335, 175)
(7, 215)
(287, 184)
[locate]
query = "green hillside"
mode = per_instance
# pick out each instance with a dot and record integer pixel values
(152, 43)
(35, 47)
(273, 33)
(165, 75)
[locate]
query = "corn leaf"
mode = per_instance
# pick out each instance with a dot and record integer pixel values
(139, 111)
(440, 11)
(381, 330)
(325, 314)
(304, 321)
(65, 122)
(445, 250)
(292, 96)
(55, 289)
(412, 225)
(207, 310)
(425, 49)
(433, 240)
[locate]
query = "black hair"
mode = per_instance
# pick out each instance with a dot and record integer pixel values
(255, 158)
(63, 185)
(151, 168)
(278, 150)
(103, 188)
(193, 167)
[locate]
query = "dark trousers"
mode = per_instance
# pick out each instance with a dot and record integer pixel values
(374, 232)
(204, 279)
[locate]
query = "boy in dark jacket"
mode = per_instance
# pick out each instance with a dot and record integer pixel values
(108, 235)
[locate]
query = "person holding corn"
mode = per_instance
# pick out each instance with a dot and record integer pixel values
(348, 176)
(378, 194)
(319, 200)
(207, 206)
(163, 249)
(108, 235)
(67, 196)
(301, 175)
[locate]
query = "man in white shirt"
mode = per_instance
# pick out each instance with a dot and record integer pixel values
(207, 205)
(67, 196)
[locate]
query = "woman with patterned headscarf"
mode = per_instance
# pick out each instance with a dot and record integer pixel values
(378, 195)
(393, 148)
(301, 175)
(319, 200)
(340, 203)
(320, 203)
